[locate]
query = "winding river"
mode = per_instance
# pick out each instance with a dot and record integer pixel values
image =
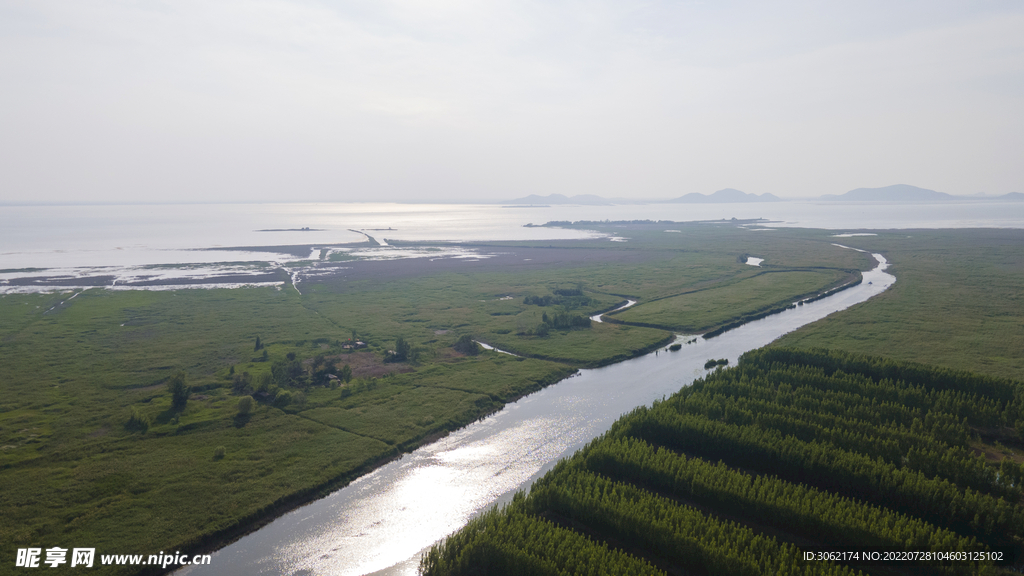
(381, 523)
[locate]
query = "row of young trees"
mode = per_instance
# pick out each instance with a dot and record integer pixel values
(678, 535)
(938, 450)
(820, 448)
(513, 542)
(800, 509)
(1008, 393)
(822, 464)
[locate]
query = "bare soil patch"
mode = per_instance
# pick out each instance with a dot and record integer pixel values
(366, 364)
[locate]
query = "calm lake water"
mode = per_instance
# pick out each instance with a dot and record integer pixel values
(382, 522)
(128, 242)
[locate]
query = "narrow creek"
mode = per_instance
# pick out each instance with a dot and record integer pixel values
(597, 317)
(381, 523)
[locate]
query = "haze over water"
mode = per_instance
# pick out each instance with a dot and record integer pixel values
(126, 241)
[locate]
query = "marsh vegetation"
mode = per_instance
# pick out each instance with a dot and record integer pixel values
(121, 407)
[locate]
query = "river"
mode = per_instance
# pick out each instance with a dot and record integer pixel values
(382, 522)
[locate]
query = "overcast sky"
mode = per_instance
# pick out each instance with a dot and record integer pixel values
(449, 100)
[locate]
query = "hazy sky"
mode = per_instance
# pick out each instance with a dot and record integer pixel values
(290, 100)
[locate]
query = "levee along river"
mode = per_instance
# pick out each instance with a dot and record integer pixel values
(381, 523)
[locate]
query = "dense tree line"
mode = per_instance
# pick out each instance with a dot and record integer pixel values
(569, 299)
(938, 448)
(799, 508)
(512, 542)
(877, 369)
(937, 500)
(682, 535)
(565, 321)
(822, 447)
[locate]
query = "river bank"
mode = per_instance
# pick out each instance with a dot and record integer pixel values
(291, 502)
(307, 435)
(384, 520)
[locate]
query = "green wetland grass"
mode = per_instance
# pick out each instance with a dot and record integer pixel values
(74, 469)
(701, 310)
(957, 302)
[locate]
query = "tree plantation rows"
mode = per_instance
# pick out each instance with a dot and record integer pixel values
(752, 467)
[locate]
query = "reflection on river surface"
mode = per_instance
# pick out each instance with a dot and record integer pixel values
(382, 522)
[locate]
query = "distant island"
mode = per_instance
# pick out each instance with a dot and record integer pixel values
(725, 196)
(908, 193)
(894, 193)
(304, 229)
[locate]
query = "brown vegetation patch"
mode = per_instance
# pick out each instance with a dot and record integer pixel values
(366, 364)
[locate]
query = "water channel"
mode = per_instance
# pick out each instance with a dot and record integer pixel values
(381, 523)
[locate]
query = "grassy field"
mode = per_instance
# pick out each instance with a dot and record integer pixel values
(434, 311)
(673, 257)
(75, 370)
(957, 302)
(73, 473)
(701, 310)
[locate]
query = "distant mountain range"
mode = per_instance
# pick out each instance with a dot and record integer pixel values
(725, 196)
(908, 193)
(894, 193)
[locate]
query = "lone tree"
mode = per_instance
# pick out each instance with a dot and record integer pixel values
(402, 349)
(258, 345)
(467, 346)
(179, 390)
(245, 404)
(346, 374)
